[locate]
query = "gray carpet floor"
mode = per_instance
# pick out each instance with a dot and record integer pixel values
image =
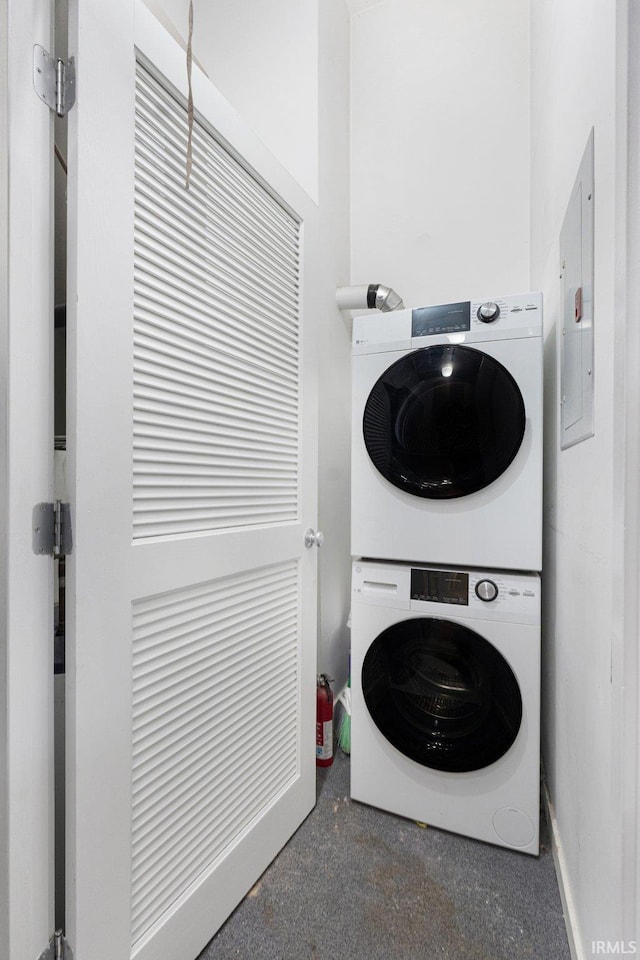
(356, 883)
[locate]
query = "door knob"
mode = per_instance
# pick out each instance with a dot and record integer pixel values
(311, 538)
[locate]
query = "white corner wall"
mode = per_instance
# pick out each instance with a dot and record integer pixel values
(263, 57)
(334, 344)
(574, 55)
(440, 147)
(284, 66)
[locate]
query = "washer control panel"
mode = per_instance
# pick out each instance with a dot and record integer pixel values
(497, 595)
(440, 586)
(483, 594)
(462, 588)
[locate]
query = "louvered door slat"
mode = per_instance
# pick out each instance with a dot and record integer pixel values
(216, 288)
(191, 367)
(242, 286)
(191, 776)
(197, 232)
(205, 385)
(215, 173)
(204, 660)
(190, 394)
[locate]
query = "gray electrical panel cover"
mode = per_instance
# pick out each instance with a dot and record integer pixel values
(576, 341)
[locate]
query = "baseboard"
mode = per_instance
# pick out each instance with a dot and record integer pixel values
(568, 908)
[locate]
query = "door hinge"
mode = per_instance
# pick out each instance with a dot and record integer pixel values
(54, 80)
(58, 948)
(51, 533)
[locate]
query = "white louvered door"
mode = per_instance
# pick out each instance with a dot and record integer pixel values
(192, 447)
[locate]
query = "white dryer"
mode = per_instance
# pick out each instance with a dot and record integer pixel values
(447, 434)
(445, 724)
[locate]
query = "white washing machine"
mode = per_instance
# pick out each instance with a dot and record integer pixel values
(445, 723)
(447, 434)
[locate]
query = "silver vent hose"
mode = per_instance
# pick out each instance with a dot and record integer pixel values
(372, 296)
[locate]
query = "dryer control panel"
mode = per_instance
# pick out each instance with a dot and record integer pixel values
(465, 321)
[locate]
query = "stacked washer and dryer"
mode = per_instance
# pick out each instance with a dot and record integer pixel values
(447, 532)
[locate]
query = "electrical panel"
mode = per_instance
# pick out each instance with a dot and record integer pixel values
(576, 348)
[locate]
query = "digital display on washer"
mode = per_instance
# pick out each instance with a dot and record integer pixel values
(440, 586)
(446, 318)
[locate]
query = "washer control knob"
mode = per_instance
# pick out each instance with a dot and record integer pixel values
(486, 590)
(488, 312)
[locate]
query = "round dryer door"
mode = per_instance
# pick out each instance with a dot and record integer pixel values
(441, 694)
(444, 421)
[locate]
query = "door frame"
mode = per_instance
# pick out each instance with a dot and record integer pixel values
(631, 349)
(26, 478)
(626, 582)
(4, 558)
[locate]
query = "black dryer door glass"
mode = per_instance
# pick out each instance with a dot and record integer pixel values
(441, 694)
(444, 421)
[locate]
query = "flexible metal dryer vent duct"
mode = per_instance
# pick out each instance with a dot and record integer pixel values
(372, 296)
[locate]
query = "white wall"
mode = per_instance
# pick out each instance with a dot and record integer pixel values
(264, 58)
(440, 147)
(574, 57)
(335, 343)
(284, 65)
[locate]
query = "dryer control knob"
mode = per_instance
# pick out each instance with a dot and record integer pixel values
(488, 312)
(486, 590)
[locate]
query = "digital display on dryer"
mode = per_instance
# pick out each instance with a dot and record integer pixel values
(445, 318)
(440, 586)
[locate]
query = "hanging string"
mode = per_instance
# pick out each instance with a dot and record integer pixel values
(60, 158)
(189, 99)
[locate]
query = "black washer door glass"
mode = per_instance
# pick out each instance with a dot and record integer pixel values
(444, 422)
(441, 694)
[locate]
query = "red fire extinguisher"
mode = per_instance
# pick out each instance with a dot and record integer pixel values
(324, 722)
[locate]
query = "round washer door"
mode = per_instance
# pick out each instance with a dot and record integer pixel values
(441, 694)
(444, 421)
